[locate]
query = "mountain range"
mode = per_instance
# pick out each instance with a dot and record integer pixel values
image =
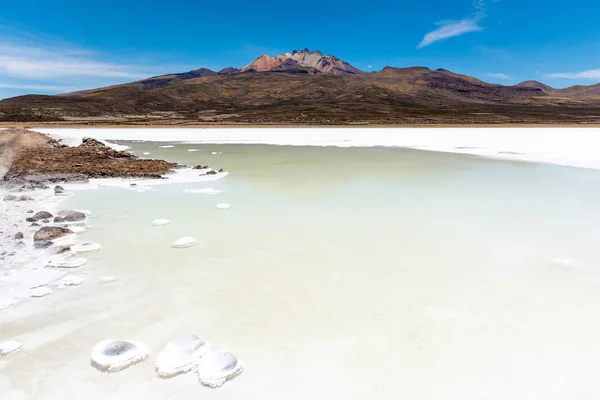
(311, 87)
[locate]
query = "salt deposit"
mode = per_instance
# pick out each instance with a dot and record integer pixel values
(67, 262)
(160, 222)
(116, 355)
(179, 355)
(216, 367)
(9, 346)
(70, 280)
(40, 292)
(85, 247)
(223, 206)
(183, 242)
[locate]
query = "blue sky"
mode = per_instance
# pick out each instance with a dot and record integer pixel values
(63, 45)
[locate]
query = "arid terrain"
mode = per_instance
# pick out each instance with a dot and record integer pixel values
(31, 160)
(305, 87)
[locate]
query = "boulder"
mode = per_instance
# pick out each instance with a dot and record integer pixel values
(72, 216)
(41, 215)
(58, 219)
(19, 235)
(59, 189)
(51, 232)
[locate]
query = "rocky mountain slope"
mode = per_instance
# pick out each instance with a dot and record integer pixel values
(310, 87)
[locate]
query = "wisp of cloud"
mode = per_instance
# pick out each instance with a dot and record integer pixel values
(449, 29)
(589, 74)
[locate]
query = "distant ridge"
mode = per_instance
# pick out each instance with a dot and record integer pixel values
(305, 86)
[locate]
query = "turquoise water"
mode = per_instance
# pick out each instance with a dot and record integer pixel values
(355, 273)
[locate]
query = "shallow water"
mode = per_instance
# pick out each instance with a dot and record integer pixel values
(352, 273)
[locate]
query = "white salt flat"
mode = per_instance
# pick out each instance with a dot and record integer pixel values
(70, 280)
(184, 242)
(160, 222)
(40, 292)
(9, 346)
(216, 367)
(223, 206)
(6, 302)
(116, 355)
(87, 247)
(179, 355)
(67, 262)
(203, 191)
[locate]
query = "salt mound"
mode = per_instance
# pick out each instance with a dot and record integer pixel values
(160, 222)
(85, 247)
(9, 346)
(205, 191)
(216, 367)
(223, 206)
(146, 153)
(116, 355)
(179, 355)
(67, 262)
(70, 280)
(183, 242)
(108, 279)
(40, 292)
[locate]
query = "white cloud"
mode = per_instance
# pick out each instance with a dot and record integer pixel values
(453, 28)
(369, 66)
(593, 74)
(45, 88)
(498, 75)
(29, 62)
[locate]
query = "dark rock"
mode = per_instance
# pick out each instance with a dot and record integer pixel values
(133, 184)
(59, 189)
(46, 221)
(35, 224)
(43, 244)
(25, 198)
(58, 219)
(63, 249)
(91, 142)
(30, 212)
(10, 197)
(19, 235)
(211, 172)
(41, 215)
(72, 215)
(221, 170)
(51, 232)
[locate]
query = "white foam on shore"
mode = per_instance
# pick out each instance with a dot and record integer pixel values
(558, 145)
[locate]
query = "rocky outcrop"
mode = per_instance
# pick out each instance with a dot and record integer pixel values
(50, 233)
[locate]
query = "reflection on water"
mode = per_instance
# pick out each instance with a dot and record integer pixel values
(352, 273)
